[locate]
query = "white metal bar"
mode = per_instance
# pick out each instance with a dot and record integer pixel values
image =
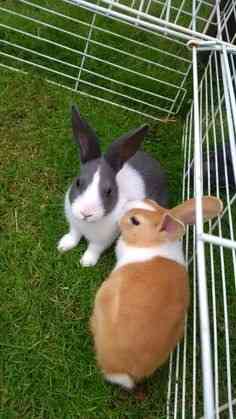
(231, 107)
(226, 209)
(168, 398)
(210, 19)
(42, 67)
(194, 356)
(216, 356)
(219, 241)
(157, 23)
(202, 288)
(128, 18)
(222, 408)
(141, 7)
(85, 51)
(81, 22)
(178, 93)
(168, 10)
(180, 11)
(97, 86)
(109, 102)
(183, 11)
(127, 108)
(132, 23)
(222, 261)
(50, 58)
(92, 57)
(88, 39)
(12, 68)
(176, 382)
(213, 282)
(163, 4)
(232, 140)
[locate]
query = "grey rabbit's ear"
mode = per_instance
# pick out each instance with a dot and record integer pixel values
(125, 147)
(84, 137)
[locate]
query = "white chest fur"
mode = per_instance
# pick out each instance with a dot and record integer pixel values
(130, 184)
(129, 254)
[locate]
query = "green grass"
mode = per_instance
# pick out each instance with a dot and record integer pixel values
(48, 367)
(47, 358)
(47, 363)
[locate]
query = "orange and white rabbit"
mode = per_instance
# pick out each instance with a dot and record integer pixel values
(139, 311)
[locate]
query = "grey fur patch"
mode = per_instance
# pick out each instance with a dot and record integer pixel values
(153, 176)
(123, 148)
(108, 188)
(150, 170)
(85, 178)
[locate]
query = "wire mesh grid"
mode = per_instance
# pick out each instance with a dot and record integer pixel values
(220, 259)
(104, 56)
(117, 52)
(210, 167)
(178, 13)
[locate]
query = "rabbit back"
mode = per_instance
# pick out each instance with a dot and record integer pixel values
(153, 176)
(139, 316)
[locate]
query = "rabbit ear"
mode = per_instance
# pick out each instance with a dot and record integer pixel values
(125, 147)
(187, 214)
(84, 137)
(173, 228)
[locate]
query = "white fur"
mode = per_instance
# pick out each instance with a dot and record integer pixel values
(139, 204)
(89, 202)
(99, 230)
(130, 254)
(124, 380)
(67, 242)
(92, 254)
(130, 184)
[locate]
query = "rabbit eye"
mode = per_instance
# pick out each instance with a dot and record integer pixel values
(78, 183)
(134, 221)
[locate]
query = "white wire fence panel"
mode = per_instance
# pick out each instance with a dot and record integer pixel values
(227, 21)
(218, 178)
(177, 18)
(96, 55)
(177, 12)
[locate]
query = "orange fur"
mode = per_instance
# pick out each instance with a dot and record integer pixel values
(149, 232)
(139, 311)
(139, 316)
(186, 211)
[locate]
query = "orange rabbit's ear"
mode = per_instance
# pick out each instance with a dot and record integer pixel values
(186, 212)
(173, 228)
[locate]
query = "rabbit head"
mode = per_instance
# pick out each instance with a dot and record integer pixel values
(149, 224)
(94, 193)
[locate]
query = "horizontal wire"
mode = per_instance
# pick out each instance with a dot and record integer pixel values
(49, 57)
(97, 43)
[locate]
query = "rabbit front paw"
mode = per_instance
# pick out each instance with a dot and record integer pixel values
(89, 258)
(67, 242)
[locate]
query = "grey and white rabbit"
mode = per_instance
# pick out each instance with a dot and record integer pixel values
(97, 198)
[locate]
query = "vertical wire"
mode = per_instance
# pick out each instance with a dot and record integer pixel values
(213, 285)
(85, 51)
(202, 287)
(225, 304)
